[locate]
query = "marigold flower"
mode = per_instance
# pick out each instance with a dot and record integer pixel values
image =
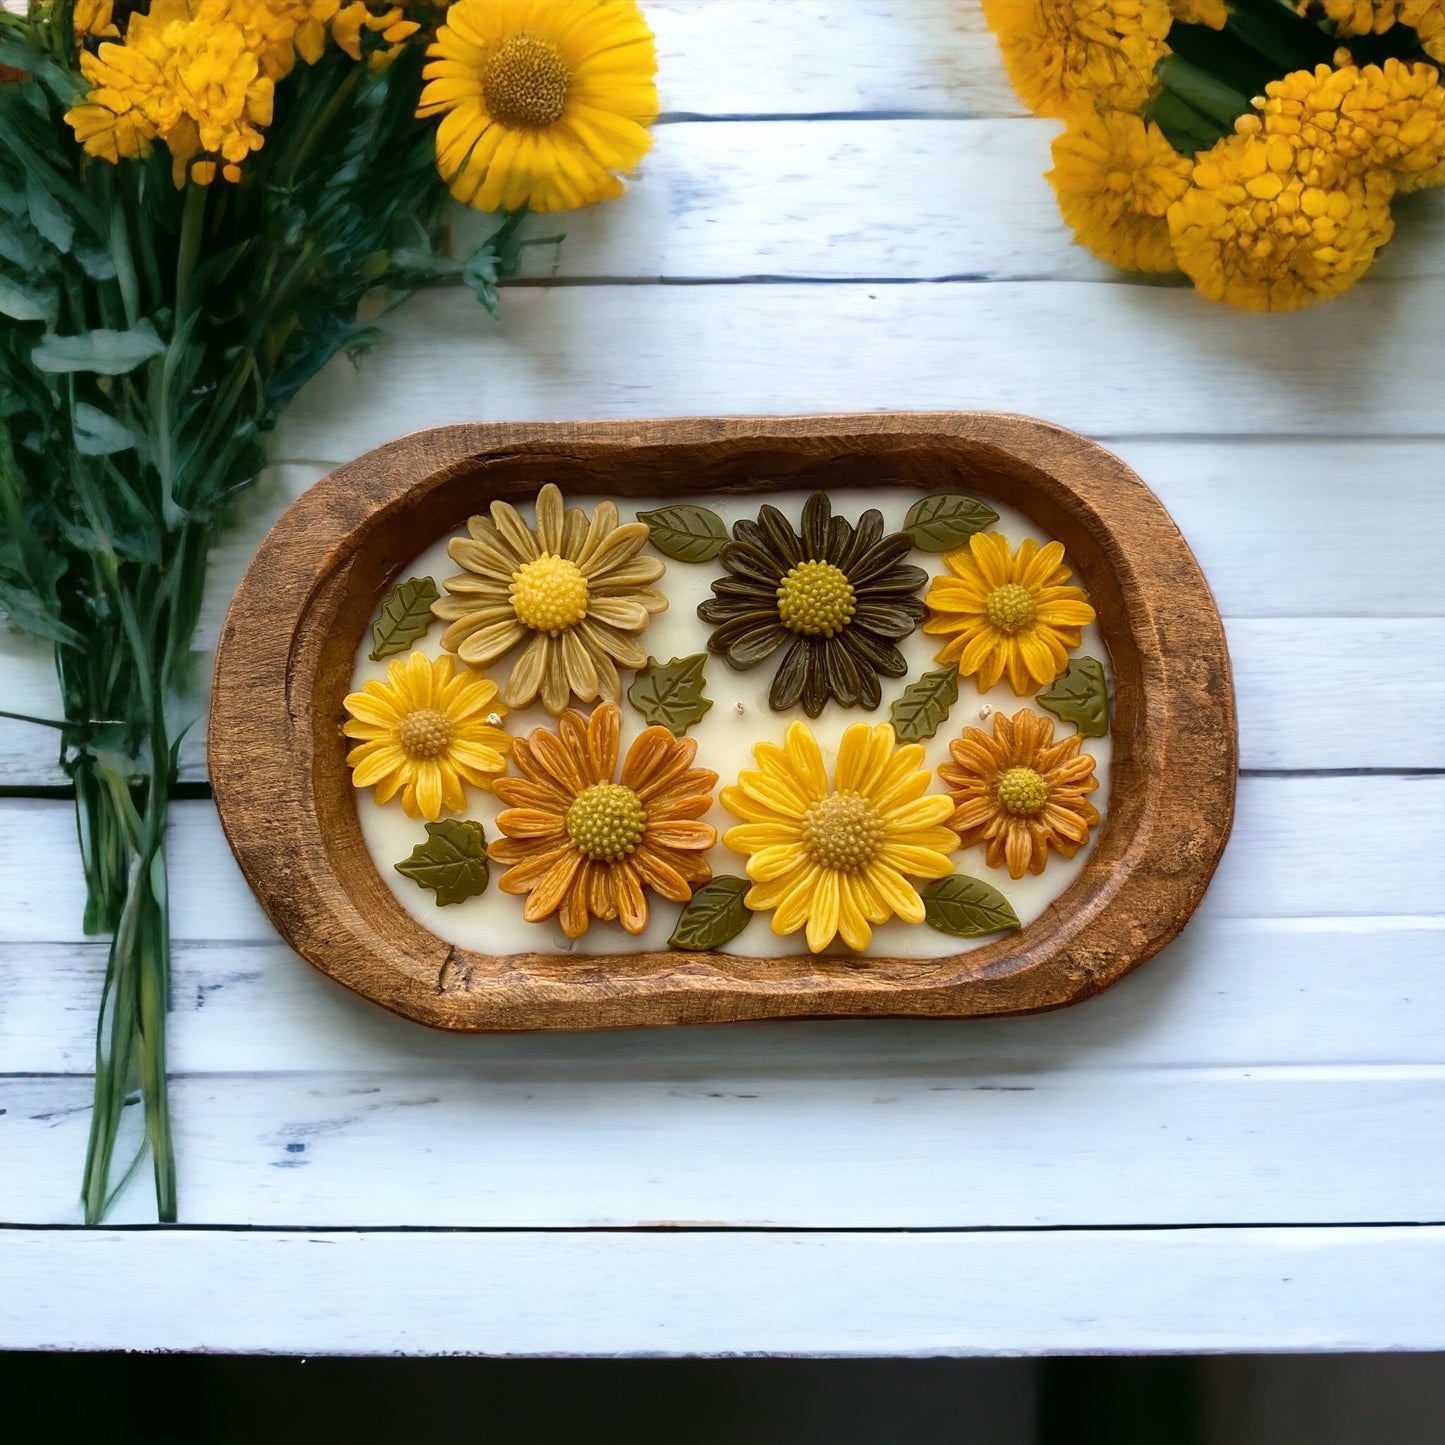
(357, 21)
(1115, 177)
(542, 101)
(95, 19)
(838, 856)
(1067, 56)
(1213, 13)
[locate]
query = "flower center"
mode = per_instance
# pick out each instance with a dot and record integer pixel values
(425, 734)
(1023, 792)
(1011, 608)
(526, 83)
(606, 822)
(816, 598)
(549, 594)
(843, 831)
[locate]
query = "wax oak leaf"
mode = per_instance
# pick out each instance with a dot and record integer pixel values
(452, 861)
(405, 617)
(923, 706)
(1081, 696)
(670, 695)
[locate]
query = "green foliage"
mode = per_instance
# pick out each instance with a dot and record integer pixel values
(452, 862)
(923, 706)
(966, 907)
(670, 694)
(1081, 696)
(946, 520)
(686, 533)
(405, 617)
(715, 914)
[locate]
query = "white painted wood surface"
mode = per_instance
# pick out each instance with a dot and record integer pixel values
(845, 211)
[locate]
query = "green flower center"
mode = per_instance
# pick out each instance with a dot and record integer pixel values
(526, 83)
(549, 594)
(843, 831)
(1011, 608)
(816, 598)
(1023, 792)
(606, 822)
(425, 734)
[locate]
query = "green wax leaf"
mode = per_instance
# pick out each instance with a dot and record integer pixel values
(453, 860)
(671, 694)
(405, 616)
(966, 907)
(946, 520)
(715, 914)
(1081, 696)
(108, 353)
(923, 706)
(686, 533)
(99, 435)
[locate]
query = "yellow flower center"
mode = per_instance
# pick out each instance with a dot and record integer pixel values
(425, 734)
(843, 831)
(1023, 792)
(816, 598)
(549, 594)
(606, 822)
(1011, 608)
(526, 83)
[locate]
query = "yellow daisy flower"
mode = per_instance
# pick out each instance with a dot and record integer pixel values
(837, 857)
(1006, 613)
(1116, 176)
(428, 732)
(542, 101)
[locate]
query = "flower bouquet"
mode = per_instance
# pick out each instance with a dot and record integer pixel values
(1254, 145)
(197, 199)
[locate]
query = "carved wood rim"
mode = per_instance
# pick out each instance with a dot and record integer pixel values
(277, 755)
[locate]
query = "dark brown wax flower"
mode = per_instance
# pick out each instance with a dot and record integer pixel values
(832, 602)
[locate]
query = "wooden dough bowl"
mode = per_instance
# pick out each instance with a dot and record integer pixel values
(277, 754)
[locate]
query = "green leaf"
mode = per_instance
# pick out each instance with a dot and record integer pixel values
(966, 907)
(29, 303)
(48, 216)
(405, 616)
(108, 353)
(686, 533)
(715, 914)
(923, 706)
(99, 435)
(452, 861)
(946, 520)
(1081, 696)
(671, 695)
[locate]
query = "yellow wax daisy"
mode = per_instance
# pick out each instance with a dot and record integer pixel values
(542, 101)
(839, 856)
(428, 732)
(1006, 613)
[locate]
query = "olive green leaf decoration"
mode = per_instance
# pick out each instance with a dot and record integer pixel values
(946, 520)
(670, 694)
(715, 914)
(453, 860)
(686, 533)
(1081, 696)
(405, 617)
(966, 907)
(922, 707)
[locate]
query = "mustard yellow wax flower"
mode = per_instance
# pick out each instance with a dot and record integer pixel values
(836, 856)
(355, 25)
(1115, 177)
(1007, 613)
(1251, 231)
(1213, 13)
(542, 101)
(428, 732)
(1068, 56)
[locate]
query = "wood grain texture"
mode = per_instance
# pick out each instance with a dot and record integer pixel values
(285, 663)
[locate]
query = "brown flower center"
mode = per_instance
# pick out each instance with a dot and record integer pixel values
(606, 822)
(843, 831)
(1011, 608)
(816, 598)
(1023, 792)
(526, 83)
(549, 594)
(425, 734)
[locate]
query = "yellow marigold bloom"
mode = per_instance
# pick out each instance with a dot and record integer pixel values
(95, 19)
(280, 30)
(357, 21)
(1374, 17)
(1064, 56)
(839, 855)
(1006, 613)
(1116, 177)
(427, 732)
(542, 101)
(1213, 13)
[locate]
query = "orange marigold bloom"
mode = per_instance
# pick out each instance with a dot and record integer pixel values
(1021, 793)
(583, 842)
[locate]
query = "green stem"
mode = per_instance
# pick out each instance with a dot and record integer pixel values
(192, 221)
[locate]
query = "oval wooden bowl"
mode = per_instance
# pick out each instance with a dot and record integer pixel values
(277, 754)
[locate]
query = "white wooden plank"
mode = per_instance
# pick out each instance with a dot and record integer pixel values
(845, 1149)
(1227, 992)
(1193, 1291)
